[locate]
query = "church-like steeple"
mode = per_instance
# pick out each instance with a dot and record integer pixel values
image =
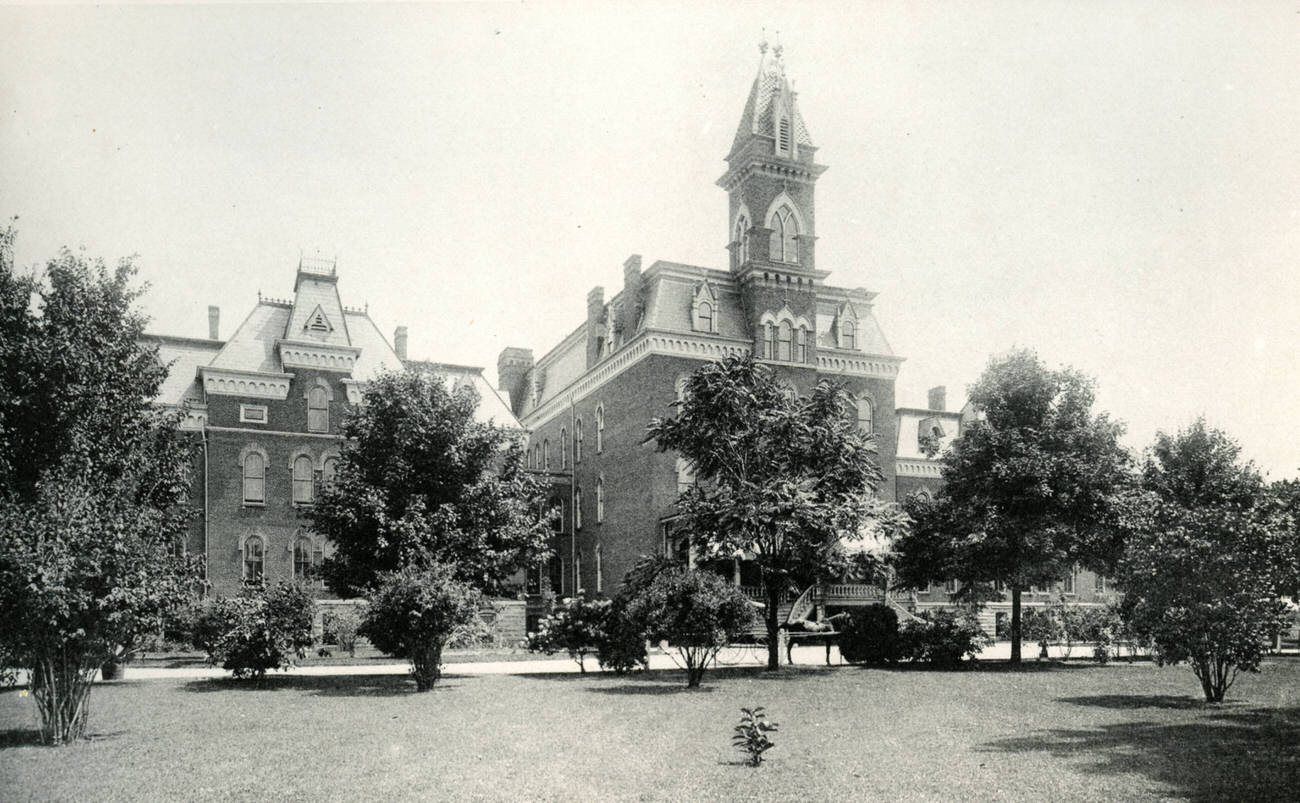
(772, 110)
(770, 177)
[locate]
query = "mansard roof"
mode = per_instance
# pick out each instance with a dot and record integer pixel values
(669, 290)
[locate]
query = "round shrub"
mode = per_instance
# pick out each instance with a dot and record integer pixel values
(870, 636)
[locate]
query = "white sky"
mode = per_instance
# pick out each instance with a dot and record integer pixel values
(1116, 185)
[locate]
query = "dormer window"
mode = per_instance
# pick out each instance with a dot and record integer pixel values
(848, 336)
(704, 309)
(784, 245)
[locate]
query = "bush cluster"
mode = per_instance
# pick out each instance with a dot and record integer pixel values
(941, 638)
(340, 627)
(265, 627)
(576, 626)
(414, 612)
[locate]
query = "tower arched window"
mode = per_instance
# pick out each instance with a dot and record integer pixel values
(577, 441)
(564, 448)
(600, 500)
(318, 410)
(546, 454)
(784, 245)
(600, 429)
(801, 344)
(866, 415)
(769, 341)
(302, 480)
(741, 238)
(785, 336)
(254, 478)
(254, 558)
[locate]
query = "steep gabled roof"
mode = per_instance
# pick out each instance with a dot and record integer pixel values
(771, 89)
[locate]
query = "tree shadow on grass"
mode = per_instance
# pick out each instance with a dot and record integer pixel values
(323, 685)
(1241, 754)
(30, 737)
(1124, 702)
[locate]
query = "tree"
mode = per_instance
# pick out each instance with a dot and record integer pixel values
(93, 480)
(780, 477)
(696, 611)
(1036, 484)
(1204, 577)
(421, 482)
(414, 611)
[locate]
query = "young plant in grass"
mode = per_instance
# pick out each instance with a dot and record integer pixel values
(751, 734)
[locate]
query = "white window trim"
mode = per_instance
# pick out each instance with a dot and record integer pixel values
(248, 413)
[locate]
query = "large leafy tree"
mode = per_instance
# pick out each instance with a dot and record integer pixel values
(1204, 577)
(1035, 485)
(780, 477)
(93, 480)
(421, 482)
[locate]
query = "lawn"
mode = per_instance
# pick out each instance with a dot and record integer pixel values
(1077, 732)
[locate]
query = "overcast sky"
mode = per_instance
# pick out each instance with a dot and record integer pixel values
(1116, 185)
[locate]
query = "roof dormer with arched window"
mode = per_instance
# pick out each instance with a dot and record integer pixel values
(704, 309)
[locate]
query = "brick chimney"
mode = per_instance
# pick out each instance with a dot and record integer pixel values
(214, 323)
(938, 400)
(399, 342)
(595, 324)
(513, 367)
(631, 308)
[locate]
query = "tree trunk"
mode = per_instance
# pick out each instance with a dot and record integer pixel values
(773, 627)
(426, 666)
(1015, 625)
(61, 685)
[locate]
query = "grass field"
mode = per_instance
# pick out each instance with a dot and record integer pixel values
(1117, 732)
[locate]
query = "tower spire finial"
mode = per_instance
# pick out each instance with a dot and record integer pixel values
(762, 43)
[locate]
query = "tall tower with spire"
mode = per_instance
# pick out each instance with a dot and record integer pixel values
(771, 174)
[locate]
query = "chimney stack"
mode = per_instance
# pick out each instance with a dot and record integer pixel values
(595, 324)
(399, 342)
(938, 399)
(631, 308)
(214, 323)
(513, 367)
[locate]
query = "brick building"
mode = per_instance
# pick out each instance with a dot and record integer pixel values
(265, 408)
(587, 400)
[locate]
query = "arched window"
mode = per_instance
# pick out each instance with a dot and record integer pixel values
(577, 508)
(254, 553)
(741, 238)
(302, 480)
(577, 441)
(564, 448)
(600, 500)
(769, 341)
(783, 246)
(600, 429)
(600, 571)
(866, 415)
(303, 559)
(848, 335)
(318, 410)
(254, 478)
(329, 470)
(801, 344)
(546, 454)
(706, 316)
(783, 340)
